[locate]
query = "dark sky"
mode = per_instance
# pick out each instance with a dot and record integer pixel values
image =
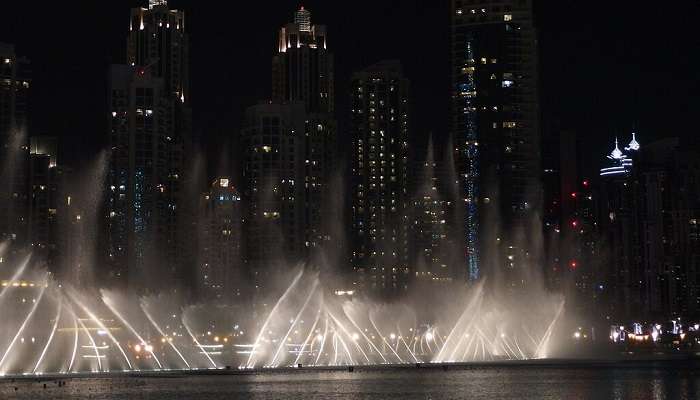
(606, 65)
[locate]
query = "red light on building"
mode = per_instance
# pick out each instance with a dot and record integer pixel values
(574, 223)
(573, 194)
(585, 183)
(573, 264)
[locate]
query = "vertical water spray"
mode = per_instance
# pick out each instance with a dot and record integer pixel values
(323, 340)
(294, 322)
(456, 328)
(99, 323)
(372, 345)
(53, 332)
(160, 331)
(541, 351)
(308, 337)
(196, 342)
(114, 311)
(75, 342)
(98, 356)
(18, 272)
(249, 363)
(21, 328)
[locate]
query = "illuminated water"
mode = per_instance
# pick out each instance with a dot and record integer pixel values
(532, 382)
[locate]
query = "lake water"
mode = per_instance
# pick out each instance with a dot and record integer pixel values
(503, 382)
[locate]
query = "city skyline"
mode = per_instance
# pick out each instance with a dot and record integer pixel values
(418, 193)
(574, 44)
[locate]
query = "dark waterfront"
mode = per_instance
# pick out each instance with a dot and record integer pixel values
(609, 381)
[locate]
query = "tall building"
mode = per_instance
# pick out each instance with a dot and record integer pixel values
(302, 71)
(14, 146)
(149, 134)
(379, 129)
(220, 217)
(495, 128)
(619, 223)
(43, 185)
(649, 221)
(430, 215)
(273, 178)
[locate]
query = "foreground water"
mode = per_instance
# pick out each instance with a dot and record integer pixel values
(504, 382)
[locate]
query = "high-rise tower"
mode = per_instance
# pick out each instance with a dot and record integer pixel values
(273, 136)
(495, 127)
(379, 179)
(220, 237)
(14, 145)
(302, 71)
(149, 134)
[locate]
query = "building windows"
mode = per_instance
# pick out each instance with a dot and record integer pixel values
(507, 17)
(509, 124)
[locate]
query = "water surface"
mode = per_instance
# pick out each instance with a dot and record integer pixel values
(532, 382)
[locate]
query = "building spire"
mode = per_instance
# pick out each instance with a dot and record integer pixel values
(154, 3)
(303, 18)
(634, 145)
(616, 154)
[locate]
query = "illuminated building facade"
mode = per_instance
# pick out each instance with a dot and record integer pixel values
(149, 134)
(495, 127)
(220, 216)
(272, 141)
(379, 129)
(431, 216)
(43, 197)
(619, 220)
(302, 71)
(14, 146)
(668, 183)
(649, 230)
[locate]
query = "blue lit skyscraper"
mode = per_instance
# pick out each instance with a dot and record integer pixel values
(495, 130)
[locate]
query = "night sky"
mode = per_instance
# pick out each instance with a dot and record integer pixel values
(606, 66)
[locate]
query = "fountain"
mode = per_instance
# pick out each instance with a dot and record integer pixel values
(57, 329)
(66, 325)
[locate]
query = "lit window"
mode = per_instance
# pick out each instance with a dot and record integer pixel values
(509, 124)
(507, 84)
(507, 17)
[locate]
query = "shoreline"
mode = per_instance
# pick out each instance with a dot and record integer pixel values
(666, 362)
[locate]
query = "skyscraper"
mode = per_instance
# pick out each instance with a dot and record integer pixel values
(14, 146)
(43, 198)
(649, 223)
(379, 129)
(149, 132)
(619, 223)
(302, 71)
(495, 126)
(220, 242)
(431, 214)
(272, 139)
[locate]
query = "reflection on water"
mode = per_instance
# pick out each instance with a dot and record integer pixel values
(653, 383)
